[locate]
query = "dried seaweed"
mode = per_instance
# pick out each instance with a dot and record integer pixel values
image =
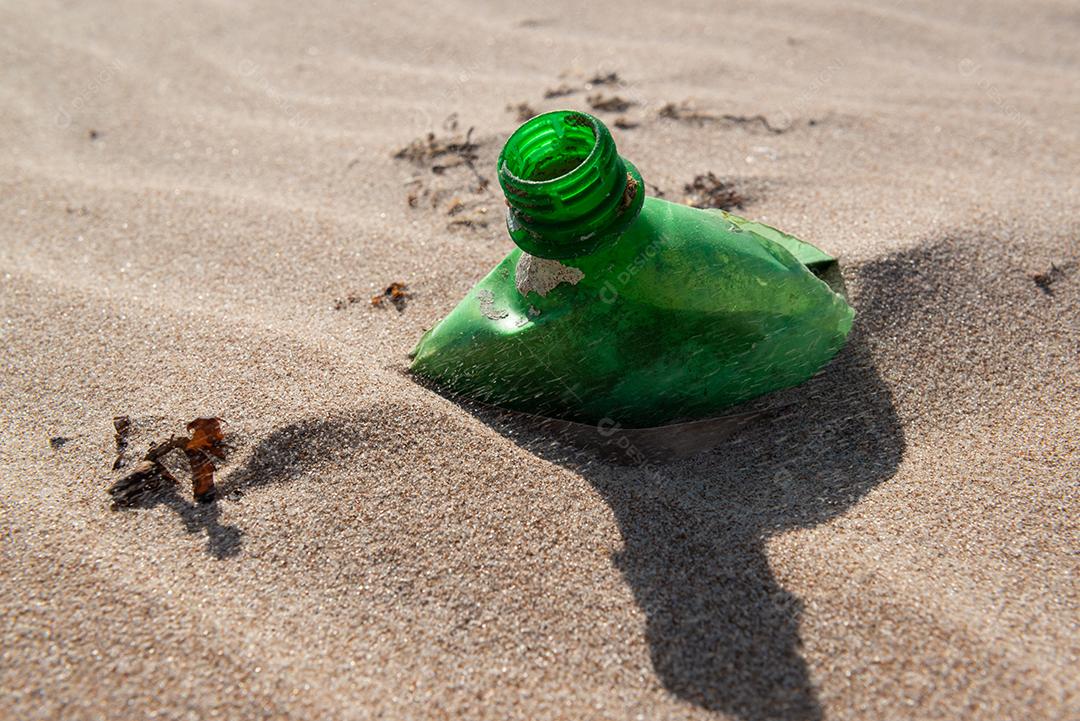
(467, 214)
(684, 112)
(1045, 280)
(559, 91)
(122, 426)
(596, 80)
(710, 191)
(473, 220)
(750, 119)
(397, 294)
(603, 79)
(523, 111)
(609, 104)
(205, 443)
(442, 154)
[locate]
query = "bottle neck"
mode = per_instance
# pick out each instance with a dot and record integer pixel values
(567, 188)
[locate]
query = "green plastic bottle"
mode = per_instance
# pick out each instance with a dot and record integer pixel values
(618, 308)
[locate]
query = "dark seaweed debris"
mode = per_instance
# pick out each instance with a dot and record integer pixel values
(710, 191)
(609, 104)
(1045, 280)
(205, 443)
(442, 154)
(683, 112)
(523, 111)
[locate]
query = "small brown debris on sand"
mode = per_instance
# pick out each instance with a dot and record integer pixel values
(709, 191)
(1044, 280)
(58, 442)
(609, 104)
(559, 91)
(457, 206)
(205, 443)
(624, 123)
(750, 119)
(523, 111)
(455, 151)
(122, 426)
(428, 148)
(467, 214)
(396, 293)
(343, 303)
(603, 79)
(477, 219)
(684, 112)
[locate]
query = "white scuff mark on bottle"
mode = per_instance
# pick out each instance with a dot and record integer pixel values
(542, 275)
(487, 306)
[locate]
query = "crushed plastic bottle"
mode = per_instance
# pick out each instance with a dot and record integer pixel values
(621, 308)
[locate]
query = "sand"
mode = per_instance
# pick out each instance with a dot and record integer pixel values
(186, 194)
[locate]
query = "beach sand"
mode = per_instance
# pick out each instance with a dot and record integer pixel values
(190, 198)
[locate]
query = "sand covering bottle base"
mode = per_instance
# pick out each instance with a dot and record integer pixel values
(625, 309)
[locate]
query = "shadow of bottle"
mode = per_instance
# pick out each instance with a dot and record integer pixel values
(722, 632)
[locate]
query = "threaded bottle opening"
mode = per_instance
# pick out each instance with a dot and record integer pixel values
(566, 184)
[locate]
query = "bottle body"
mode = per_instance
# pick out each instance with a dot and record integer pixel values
(677, 316)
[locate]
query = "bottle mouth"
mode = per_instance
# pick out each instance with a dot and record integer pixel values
(549, 147)
(566, 184)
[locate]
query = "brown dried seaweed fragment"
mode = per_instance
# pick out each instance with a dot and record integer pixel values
(206, 441)
(559, 91)
(122, 425)
(709, 191)
(473, 220)
(683, 112)
(523, 111)
(603, 79)
(745, 119)
(396, 293)
(458, 151)
(612, 104)
(1044, 280)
